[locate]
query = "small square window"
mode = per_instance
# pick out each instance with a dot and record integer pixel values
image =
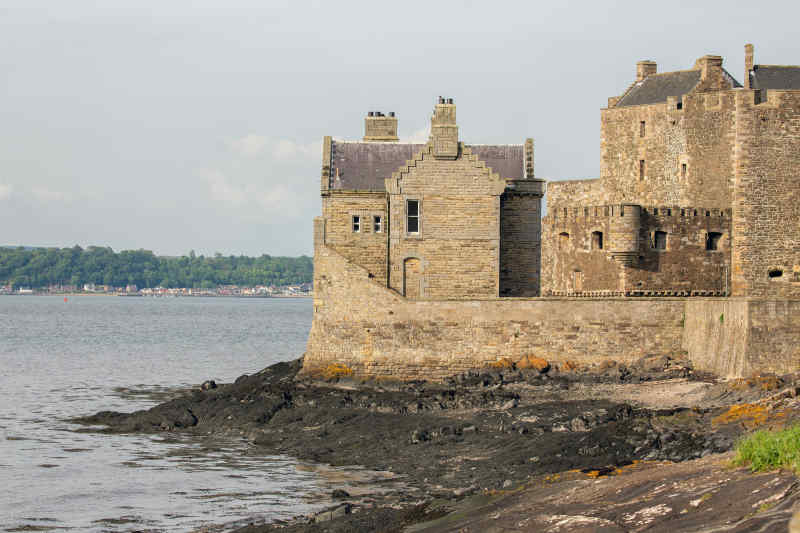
(377, 224)
(660, 240)
(356, 224)
(597, 240)
(712, 240)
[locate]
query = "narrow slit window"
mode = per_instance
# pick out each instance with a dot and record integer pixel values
(377, 224)
(641, 169)
(660, 240)
(412, 216)
(563, 240)
(597, 240)
(683, 170)
(642, 129)
(356, 224)
(712, 240)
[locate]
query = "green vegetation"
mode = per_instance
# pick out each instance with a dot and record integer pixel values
(42, 267)
(768, 450)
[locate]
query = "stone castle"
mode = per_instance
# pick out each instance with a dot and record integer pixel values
(435, 258)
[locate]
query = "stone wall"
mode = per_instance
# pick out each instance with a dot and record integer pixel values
(579, 245)
(365, 247)
(520, 244)
(575, 192)
(700, 136)
(738, 337)
(374, 331)
(458, 239)
(767, 198)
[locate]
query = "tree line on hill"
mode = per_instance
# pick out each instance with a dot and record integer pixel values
(45, 267)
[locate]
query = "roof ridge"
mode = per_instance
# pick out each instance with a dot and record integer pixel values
(756, 67)
(671, 72)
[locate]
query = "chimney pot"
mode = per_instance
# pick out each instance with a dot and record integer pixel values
(383, 130)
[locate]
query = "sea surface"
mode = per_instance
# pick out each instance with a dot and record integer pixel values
(61, 359)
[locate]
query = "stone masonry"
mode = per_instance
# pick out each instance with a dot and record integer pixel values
(434, 258)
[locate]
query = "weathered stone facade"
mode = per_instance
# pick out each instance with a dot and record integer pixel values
(687, 142)
(428, 220)
(434, 258)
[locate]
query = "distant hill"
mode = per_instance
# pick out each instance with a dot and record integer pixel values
(37, 267)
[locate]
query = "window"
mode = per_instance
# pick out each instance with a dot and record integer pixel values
(356, 223)
(642, 129)
(660, 240)
(377, 224)
(683, 170)
(597, 240)
(563, 240)
(412, 216)
(712, 240)
(641, 169)
(680, 105)
(775, 273)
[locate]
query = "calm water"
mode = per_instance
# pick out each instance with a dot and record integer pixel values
(60, 360)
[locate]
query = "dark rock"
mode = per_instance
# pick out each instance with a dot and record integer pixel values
(339, 494)
(208, 385)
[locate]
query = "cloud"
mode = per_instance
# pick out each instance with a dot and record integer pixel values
(223, 191)
(247, 196)
(419, 136)
(287, 149)
(45, 195)
(253, 145)
(250, 145)
(5, 191)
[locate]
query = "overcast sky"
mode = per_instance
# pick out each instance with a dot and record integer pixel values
(174, 126)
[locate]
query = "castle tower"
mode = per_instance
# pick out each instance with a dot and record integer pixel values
(624, 226)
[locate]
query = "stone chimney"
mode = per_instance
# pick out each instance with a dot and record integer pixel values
(645, 68)
(444, 130)
(709, 66)
(748, 64)
(380, 128)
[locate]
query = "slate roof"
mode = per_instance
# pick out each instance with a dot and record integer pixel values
(362, 166)
(775, 77)
(656, 88)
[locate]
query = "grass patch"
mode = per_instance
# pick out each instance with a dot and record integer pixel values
(768, 450)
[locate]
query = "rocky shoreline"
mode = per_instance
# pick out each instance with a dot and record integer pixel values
(510, 449)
